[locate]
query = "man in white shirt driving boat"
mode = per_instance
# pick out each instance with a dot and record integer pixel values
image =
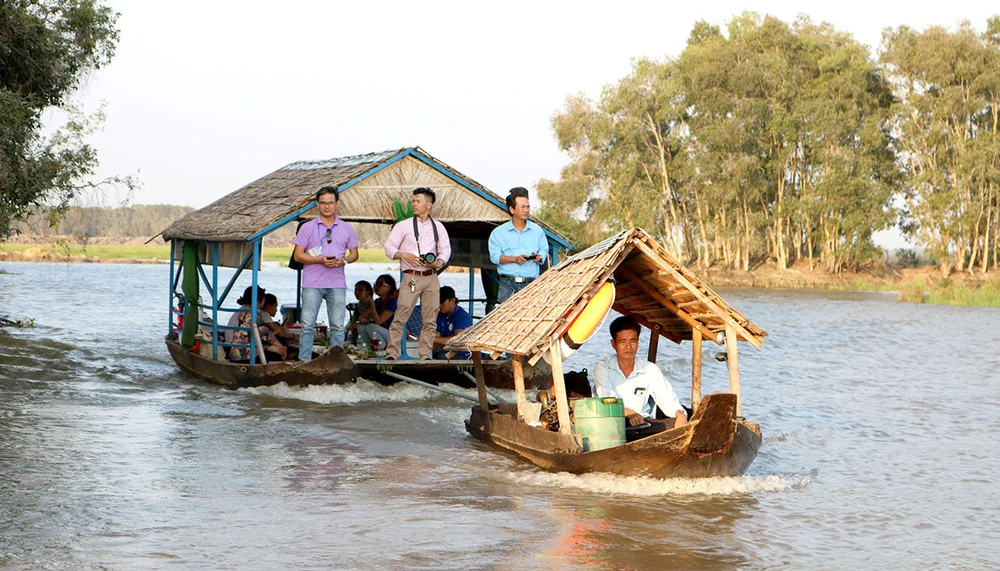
(639, 383)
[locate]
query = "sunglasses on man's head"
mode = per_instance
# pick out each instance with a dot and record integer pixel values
(329, 237)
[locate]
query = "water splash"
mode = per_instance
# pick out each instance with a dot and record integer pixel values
(361, 391)
(651, 487)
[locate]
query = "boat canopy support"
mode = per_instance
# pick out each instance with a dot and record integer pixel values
(213, 250)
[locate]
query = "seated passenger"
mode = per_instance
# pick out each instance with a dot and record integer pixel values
(361, 310)
(265, 318)
(381, 311)
(242, 319)
(451, 320)
(639, 383)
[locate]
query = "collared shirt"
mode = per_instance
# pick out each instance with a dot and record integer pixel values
(458, 320)
(401, 239)
(342, 239)
(640, 390)
(509, 241)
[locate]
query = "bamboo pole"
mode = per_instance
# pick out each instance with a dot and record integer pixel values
(260, 347)
(522, 402)
(654, 342)
(734, 368)
(695, 370)
(559, 386)
(477, 364)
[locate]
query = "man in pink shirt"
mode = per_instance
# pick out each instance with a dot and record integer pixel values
(422, 247)
(324, 246)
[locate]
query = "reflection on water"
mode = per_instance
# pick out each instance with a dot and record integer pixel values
(878, 420)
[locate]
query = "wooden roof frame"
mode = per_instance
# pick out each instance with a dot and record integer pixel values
(272, 201)
(653, 287)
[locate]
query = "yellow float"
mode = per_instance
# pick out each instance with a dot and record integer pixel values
(587, 321)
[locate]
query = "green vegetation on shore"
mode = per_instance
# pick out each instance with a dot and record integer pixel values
(946, 292)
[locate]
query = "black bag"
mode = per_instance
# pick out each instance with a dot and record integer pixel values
(292, 263)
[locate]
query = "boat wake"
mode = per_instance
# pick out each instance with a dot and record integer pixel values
(361, 391)
(647, 487)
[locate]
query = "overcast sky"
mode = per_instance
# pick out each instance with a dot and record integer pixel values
(205, 96)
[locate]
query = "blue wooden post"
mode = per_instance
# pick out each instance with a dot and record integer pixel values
(253, 302)
(170, 292)
(215, 300)
(472, 288)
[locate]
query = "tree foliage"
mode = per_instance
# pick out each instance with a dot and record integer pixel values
(946, 122)
(776, 141)
(46, 48)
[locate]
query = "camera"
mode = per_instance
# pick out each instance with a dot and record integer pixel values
(428, 258)
(352, 307)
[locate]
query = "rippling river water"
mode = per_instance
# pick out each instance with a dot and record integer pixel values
(879, 418)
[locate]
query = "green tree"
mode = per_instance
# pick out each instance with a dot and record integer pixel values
(767, 142)
(948, 86)
(46, 47)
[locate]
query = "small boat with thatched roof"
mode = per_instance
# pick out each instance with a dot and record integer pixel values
(230, 232)
(663, 296)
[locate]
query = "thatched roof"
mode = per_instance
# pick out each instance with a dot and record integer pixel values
(369, 184)
(650, 285)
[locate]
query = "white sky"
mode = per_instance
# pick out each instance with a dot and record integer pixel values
(205, 96)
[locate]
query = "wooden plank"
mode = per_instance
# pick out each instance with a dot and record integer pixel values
(522, 401)
(732, 361)
(559, 386)
(695, 370)
(477, 365)
(654, 342)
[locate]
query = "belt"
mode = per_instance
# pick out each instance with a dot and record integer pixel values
(418, 272)
(517, 279)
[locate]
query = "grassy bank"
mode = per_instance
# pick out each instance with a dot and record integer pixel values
(949, 292)
(147, 252)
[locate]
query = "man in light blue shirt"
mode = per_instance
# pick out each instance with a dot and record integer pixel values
(519, 247)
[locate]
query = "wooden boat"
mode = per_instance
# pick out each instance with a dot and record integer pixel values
(331, 367)
(714, 443)
(664, 297)
(213, 237)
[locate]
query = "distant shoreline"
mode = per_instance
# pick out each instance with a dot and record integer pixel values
(924, 284)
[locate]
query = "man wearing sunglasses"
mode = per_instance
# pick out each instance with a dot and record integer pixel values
(324, 246)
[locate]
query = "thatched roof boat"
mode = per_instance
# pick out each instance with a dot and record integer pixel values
(229, 233)
(663, 296)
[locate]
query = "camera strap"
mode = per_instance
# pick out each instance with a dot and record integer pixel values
(416, 235)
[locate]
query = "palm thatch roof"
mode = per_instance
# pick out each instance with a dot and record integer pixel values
(369, 184)
(650, 285)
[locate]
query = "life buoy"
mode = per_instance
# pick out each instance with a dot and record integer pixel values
(587, 321)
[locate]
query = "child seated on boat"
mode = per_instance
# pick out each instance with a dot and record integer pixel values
(381, 310)
(273, 350)
(265, 318)
(359, 311)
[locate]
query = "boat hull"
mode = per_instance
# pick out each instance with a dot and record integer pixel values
(715, 443)
(331, 367)
(336, 367)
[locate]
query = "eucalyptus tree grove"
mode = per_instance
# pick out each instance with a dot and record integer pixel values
(946, 127)
(771, 141)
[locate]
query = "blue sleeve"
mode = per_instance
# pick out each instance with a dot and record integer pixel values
(463, 320)
(543, 246)
(496, 248)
